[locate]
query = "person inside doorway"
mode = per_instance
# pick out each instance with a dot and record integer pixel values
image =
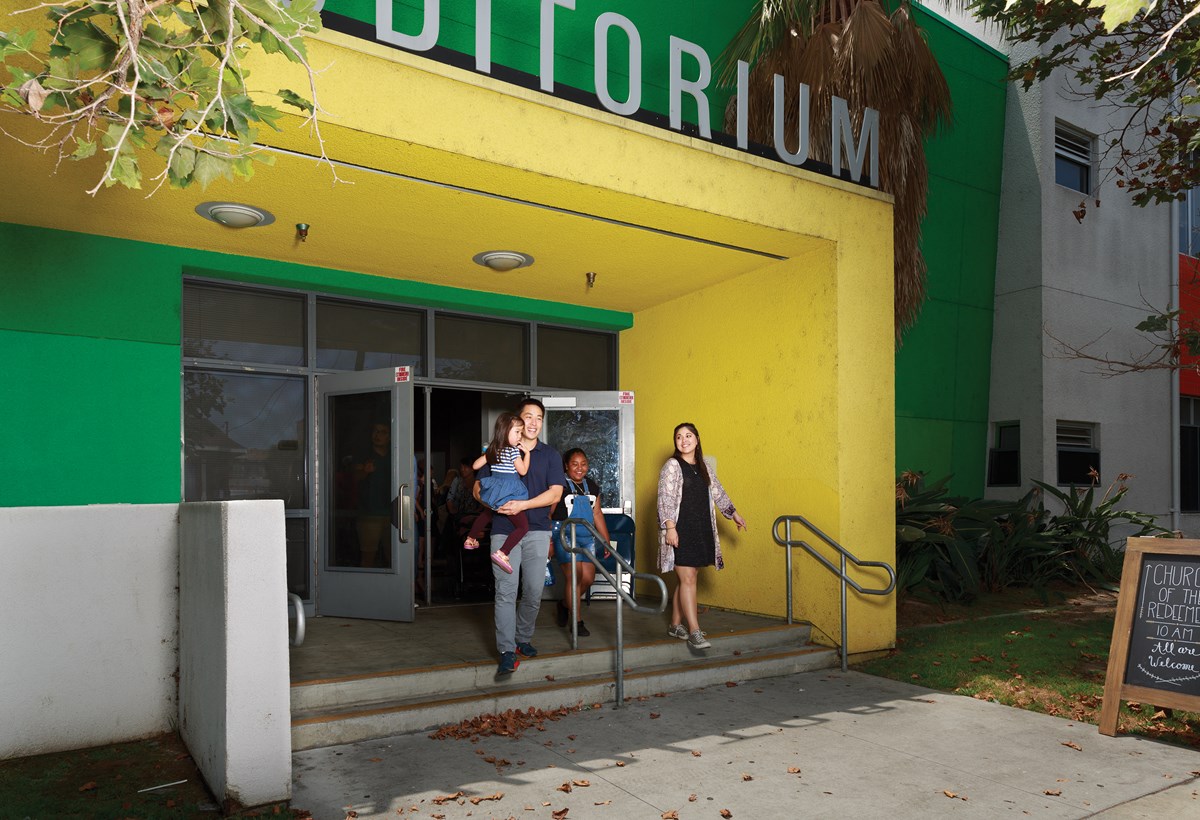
(544, 481)
(581, 499)
(373, 479)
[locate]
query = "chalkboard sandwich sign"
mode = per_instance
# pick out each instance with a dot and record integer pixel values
(1155, 652)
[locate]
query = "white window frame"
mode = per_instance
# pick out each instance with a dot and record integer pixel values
(1077, 147)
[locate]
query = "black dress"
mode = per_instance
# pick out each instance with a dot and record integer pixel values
(697, 548)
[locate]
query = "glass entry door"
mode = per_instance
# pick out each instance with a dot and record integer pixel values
(367, 473)
(601, 423)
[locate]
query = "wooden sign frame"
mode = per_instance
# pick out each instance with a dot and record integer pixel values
(1115, 687)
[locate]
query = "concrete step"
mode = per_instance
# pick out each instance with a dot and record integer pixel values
(331, 712)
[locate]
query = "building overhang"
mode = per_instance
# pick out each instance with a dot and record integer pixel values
(431, 165)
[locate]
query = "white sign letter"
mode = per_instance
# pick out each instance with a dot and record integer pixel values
(603, 24)
(843, 137)
(483, 36)
(743, 104)
(547, 41)
(694, 87)
(427, 39)
(801, 155)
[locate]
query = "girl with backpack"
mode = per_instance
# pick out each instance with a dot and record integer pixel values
(581, 499)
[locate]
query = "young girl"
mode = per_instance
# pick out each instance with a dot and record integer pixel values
(508, 462)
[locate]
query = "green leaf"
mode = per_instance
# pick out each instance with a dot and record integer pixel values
(83, 149)
(292, 98)
(182, 166)
(90, 48)
(125, 171)
(210, 167)
(1117, 12)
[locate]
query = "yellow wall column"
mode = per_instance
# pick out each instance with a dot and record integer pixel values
(787, 373)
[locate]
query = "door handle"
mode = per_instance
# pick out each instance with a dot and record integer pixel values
(402, 505)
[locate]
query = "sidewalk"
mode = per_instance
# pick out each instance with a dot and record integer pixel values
(860, 746)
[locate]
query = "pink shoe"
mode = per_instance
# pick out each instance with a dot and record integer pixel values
(501, 560)
(470, 544)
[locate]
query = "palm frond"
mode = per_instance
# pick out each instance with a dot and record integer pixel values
(853, 49)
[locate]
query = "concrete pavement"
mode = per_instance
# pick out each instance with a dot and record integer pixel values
(863, 747)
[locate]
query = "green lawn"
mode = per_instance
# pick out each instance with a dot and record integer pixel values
(1052, 662)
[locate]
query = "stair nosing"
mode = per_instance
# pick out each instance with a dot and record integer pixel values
(569, 653)
(539, 687)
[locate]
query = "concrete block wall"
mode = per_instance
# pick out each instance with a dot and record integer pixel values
(88, 625)
(235, 715)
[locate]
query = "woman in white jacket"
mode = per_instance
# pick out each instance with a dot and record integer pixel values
(689, 494)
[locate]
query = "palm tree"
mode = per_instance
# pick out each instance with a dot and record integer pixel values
(857, 51)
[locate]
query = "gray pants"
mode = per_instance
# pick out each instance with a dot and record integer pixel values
(515, 622)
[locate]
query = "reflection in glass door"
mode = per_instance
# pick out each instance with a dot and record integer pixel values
(367, 509)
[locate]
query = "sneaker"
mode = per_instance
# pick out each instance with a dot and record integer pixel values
(678, 631)
(508, 664)
(501, 560)
(562, 614)
(526, 650)
(697, 640)
(582, 630)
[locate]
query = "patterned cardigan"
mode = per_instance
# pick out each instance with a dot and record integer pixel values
(670, 493)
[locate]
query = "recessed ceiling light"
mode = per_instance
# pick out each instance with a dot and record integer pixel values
(503, 261)
(235, 215)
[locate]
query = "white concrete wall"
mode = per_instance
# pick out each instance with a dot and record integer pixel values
(88, 625)
(235, 715)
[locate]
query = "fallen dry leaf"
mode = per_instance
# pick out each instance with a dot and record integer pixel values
(695, 752)
(692, 798)
(565, 787)
(497, 796)
(793, 770)
(550, 677)
(602, 803)
(510, 723)
(746, 777)
(1071, 745)
(1052, 792)
(670, 815)
(949, 793)
(655, 715)
(730, 684)
(374, 759)
(726, 813)
(88, 786)
(583, 784)
(980, 659)
(560, 814)
(620, 764)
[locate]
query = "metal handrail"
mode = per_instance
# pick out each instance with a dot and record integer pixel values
(574, 550)
(298, 604)
(789, 542)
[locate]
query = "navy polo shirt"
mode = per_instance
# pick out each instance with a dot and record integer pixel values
(545, 471)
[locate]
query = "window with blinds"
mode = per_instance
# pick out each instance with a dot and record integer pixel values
(1073, 152)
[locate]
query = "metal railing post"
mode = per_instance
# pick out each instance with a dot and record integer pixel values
(622, 566)
(788, 552)
(845, 639)
(620, 646)
(789, 543)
